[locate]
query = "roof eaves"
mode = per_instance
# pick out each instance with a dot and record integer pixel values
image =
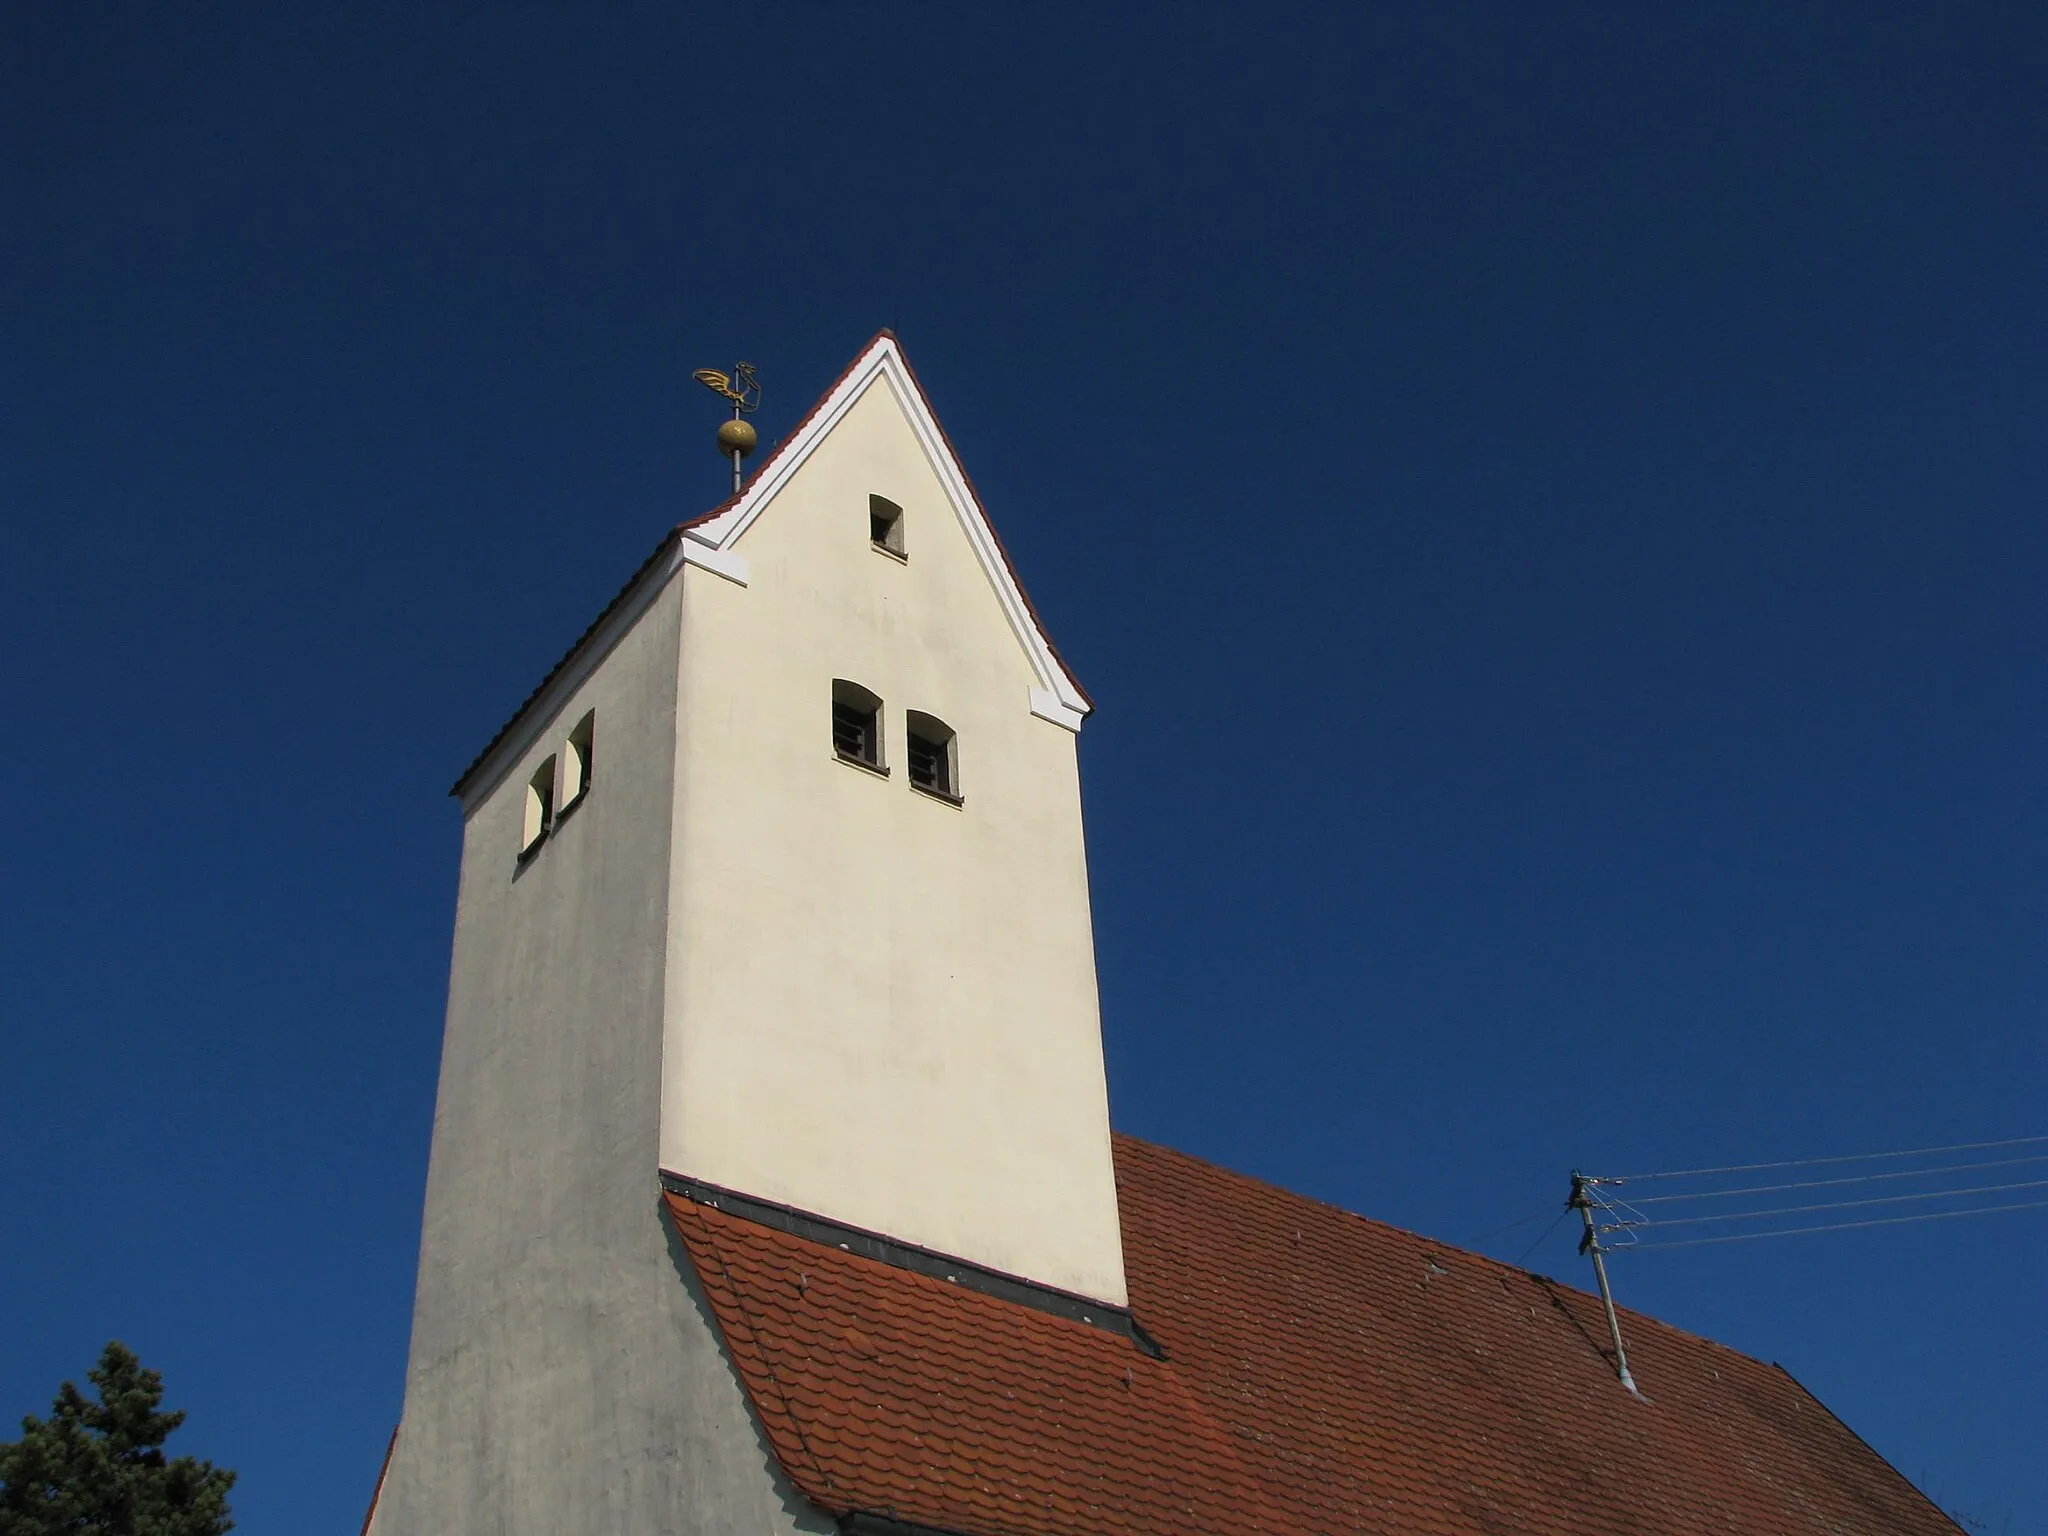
(661, 550)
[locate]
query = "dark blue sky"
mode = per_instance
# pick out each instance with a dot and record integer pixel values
(1550, 508)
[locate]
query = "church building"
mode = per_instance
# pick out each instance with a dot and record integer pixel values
(773, 1188)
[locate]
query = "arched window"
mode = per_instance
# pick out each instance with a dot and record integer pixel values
(577, 761)
(933, 750)
(540, 807)
(857, 725)
(885, 526)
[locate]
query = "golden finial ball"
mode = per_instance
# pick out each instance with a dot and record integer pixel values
(737, 436)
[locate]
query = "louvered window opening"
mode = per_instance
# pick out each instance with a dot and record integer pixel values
(854, 736)
(930, 768)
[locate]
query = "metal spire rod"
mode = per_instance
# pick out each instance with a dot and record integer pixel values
(736, 457)
(1590, 1244)
(736, 438)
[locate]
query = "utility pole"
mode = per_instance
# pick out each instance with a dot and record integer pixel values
(1582, 1202)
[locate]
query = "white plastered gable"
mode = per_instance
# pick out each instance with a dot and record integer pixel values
(710, 543)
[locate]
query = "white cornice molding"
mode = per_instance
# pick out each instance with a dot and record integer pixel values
(1057, 698)
(1047, 706)
(721, 562)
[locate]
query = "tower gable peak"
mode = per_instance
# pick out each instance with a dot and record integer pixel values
(709, 540)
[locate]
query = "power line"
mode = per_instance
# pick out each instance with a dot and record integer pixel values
(1497, 1231)
(1833, 1226)
(1813, 1162)
(1854, 1178)
(1835, 1205)
(1523, 1261)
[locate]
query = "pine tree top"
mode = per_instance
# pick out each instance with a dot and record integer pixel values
(97, 1468)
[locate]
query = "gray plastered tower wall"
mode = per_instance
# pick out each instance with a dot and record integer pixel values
(563, 1373)
(745, 961)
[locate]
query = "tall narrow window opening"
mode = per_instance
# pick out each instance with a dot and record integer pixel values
(932, 748)
(540, 807)
(577, 760)
(885, 526)
(857, 725)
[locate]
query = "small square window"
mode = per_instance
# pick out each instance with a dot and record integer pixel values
(857, 724)
(885, 526)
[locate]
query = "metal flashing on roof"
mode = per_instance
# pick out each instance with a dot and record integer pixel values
(861, 1523)
(919, 1260)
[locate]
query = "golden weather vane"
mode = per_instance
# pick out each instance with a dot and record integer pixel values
(736, 438)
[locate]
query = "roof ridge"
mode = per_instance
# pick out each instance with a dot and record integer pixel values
(1501, 1266)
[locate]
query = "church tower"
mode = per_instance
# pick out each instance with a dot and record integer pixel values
(773, 893)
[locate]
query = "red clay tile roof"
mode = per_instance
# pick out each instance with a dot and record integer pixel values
(1320, 1377)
